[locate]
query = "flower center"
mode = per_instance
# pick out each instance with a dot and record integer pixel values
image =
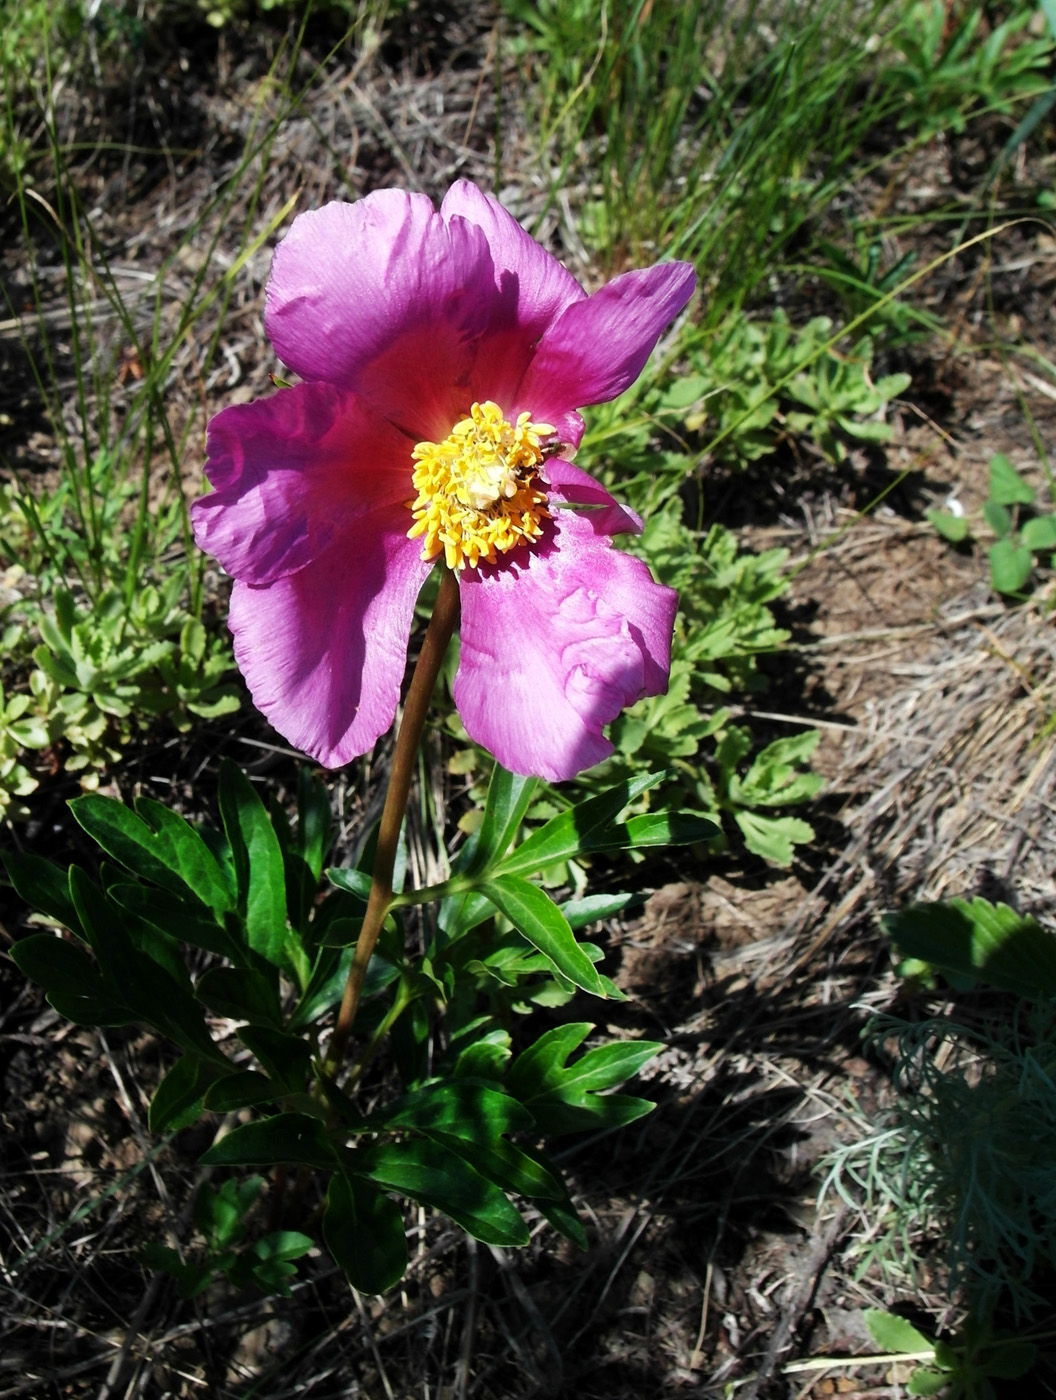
(476, 497)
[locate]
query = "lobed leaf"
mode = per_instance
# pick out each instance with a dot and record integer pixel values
(293, 1138)
(582, 829)
(989, 941)
(364, 1233)
(432, 1174)
(539, 919)
(565, 1098)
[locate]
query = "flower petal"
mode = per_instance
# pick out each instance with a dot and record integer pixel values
(531, 289)
(324, 650)
(555, 646)
(385, 298)
(533, 281)
(598, 347)
(291, 473)
(605, 514)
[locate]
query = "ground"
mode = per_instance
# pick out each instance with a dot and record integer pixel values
(712, 1262)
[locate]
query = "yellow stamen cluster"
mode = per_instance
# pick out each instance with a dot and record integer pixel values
(476, 497)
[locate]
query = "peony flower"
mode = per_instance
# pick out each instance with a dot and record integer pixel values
(444, 356)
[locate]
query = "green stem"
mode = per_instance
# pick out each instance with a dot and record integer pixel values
(395, 1011)
(404, 759)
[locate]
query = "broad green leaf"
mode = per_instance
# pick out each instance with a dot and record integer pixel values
(951, 527)
(1010, 566)
(287, 1137)
(181, 847)
(220, 1211)
(562, 1216)
(72, 983)
(666, 829)
(567, 1098)
(461, 913)
(990, 941)
(259, 865)
(241, 1090)
(268, 1263)
(1040, 532)
(432, 1174)
(364, 1233)
(138, 981)
(326, 984)
(182, 919)
(1007, 487)
(924, 1381)
(486, 1053)
(341, 933)
(355, 882)
(57, 964)
(461, 1107)
(892, 1333)
(177, 1100)
(594, 907)
(584, 828)
(242, 993)
(538, 918)
(180, 863)
(287, 1058)
(998, 517)
(314, 820)
(153, 942)
(508, 799)
(283, 1245)
(304, 850)
(506, 1165)
(43, 886)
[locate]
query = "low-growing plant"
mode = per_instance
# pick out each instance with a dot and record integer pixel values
(955, 65)
(87, 666)
(867, 285)
(758, 382)
(462, 1133)
(963, 1368)
(1023, 529)
(969, 1152)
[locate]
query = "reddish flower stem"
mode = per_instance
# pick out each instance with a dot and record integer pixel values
(404, 760)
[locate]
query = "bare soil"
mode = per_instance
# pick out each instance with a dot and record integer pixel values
(712, 1264)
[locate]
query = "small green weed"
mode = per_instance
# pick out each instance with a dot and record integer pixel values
(757, 382)
(222, 1218)
(954, 66)
(1022, 529)
(965, 1366)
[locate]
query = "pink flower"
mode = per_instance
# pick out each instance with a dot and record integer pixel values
(444, 355)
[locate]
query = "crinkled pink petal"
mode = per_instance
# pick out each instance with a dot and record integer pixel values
(554, 645)
(598, 347)
(292, 472)
(536, 283)
(324, 650)
(386, 298)
(531, 291)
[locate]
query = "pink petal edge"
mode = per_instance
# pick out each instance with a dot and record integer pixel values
(324, 650)
(598, 347)
(555, 645)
